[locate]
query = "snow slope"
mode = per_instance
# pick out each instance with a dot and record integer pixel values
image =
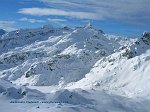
(73, 70)
(125, 72)
(28, 100)
(64, 54)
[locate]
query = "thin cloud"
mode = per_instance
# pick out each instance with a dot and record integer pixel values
(4, 23)
(136, 23)
(31, 20)
(57, 12)
(120, 10)
(56, 20)
(7, 25)
(7, 28)
(106, 9)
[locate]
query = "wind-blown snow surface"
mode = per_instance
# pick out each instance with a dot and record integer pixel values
(75, 70)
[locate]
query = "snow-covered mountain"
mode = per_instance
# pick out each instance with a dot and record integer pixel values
(46, 56)
(124, 72)
(77, 66)
(2, 32)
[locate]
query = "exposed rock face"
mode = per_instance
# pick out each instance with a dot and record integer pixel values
(146, 38)
(146, 34)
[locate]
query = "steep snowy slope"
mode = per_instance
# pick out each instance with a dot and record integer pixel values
(125, 72)
(13, 40)
(62, 55)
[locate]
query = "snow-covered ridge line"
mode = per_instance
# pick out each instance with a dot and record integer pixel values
(124, 72)
(23, 37)
(44, 56)
(81, 69)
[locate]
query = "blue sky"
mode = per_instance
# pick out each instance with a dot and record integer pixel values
(120, 17)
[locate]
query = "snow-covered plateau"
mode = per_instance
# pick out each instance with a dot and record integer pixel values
(78, 69)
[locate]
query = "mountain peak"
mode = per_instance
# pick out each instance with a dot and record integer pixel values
(2, 32)
(146, 37)
(48, 26)
(89, 25)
